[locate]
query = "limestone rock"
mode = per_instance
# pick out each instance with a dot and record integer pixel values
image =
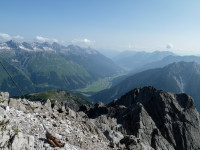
(48, 105)
(3, 116)
(20, 127)
(71, 113)
(19, 141)
(4, 139)
(4, 97)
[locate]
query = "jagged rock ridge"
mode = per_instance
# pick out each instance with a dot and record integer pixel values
(159, 119)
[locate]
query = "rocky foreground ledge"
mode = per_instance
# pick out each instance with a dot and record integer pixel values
(143, 119)
(20, 129)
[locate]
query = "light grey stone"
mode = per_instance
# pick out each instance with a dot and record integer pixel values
(4, 138)
(22, 142)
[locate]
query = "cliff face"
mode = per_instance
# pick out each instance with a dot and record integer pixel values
(159, 119)
(142, 119)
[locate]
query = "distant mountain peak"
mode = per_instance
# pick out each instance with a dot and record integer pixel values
(55, 44)
(12, 44)
(181, 65)
(75, 49)
(46, 44)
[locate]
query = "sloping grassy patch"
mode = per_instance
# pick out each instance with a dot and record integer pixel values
(57, 96)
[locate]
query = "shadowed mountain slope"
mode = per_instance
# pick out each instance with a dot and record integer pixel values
(181, 77)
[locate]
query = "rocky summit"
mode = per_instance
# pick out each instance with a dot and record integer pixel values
(142, 119)
(146, 118)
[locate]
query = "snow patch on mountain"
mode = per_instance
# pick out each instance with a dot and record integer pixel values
(4, 46)
(36, 46)
(23, 48)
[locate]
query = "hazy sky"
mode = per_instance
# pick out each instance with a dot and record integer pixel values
(105, 24)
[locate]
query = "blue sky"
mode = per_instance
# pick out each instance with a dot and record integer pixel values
(105, 24)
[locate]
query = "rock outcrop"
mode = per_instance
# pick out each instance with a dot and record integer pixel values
(20, 128)
(157, 119)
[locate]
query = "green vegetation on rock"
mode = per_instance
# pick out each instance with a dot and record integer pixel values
(59, 67)
(57, 96)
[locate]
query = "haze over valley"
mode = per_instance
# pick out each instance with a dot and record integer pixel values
(103, 75)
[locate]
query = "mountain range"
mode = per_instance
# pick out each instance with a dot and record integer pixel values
(180, 77)
(166, 61)
(39, 67)
(133, 60)
(151, 63)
